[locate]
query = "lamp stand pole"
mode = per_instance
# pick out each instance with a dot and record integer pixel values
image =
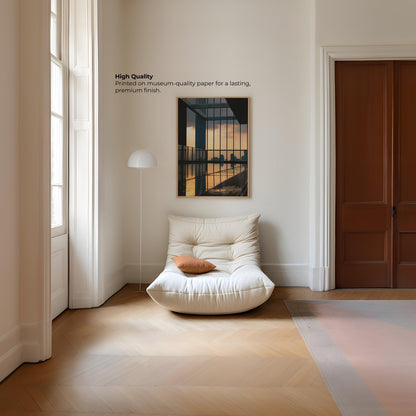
(140, 228)
(141, 159)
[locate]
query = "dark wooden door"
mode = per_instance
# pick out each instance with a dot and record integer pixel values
(405, 175)
(364, 185)
(376, 174)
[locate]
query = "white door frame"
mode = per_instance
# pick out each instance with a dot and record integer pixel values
(323, 247)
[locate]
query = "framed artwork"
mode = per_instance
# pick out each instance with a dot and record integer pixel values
(213, 147)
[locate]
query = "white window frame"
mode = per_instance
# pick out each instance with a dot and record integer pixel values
(86, 287)
(62, 62)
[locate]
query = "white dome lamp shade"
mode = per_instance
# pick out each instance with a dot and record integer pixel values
(141, 159)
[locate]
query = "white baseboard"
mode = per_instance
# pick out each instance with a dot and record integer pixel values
(22, 344)
(10, 352)
(113, 284)
(31, 338)
(292, 274)
(280, 274)
(320, 279)
(80, 302)
(149, 272)
(317, 278)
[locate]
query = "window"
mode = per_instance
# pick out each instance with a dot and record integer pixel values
(59, 121)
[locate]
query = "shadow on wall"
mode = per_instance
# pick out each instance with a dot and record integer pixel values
(268, 244)
(268, 238)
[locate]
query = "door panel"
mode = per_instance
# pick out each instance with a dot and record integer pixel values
(364, 130)
(364, 247)
(405, 180)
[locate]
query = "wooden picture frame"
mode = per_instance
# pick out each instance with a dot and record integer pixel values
(213, 147)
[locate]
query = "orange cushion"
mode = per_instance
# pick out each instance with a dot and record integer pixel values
(193, 265)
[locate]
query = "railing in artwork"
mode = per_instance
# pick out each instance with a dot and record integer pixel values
(188, 154)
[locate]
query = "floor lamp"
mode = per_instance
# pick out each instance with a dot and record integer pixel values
(141, 159)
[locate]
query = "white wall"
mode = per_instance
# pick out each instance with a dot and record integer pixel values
(111, 161)
(25, 323)
(265, 42)
(9, 184)
(34, 179)
(365, 22)
(347, 23)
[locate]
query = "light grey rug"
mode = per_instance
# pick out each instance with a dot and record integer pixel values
(366, 352)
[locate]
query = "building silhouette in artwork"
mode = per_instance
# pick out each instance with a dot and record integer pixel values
(212, 146)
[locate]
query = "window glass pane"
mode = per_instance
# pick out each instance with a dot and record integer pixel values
(57, 134)
(237, 138)
(210, 134)
(230, 136)
(56, 206)
(56, 89)
(244, 141)
(54, 37)
(216, 135)
(57, 165)
(54, 6)
(190, 128)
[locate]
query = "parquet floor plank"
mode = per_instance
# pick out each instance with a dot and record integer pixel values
(131, 357)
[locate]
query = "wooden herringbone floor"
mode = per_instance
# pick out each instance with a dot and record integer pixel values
(131, 357)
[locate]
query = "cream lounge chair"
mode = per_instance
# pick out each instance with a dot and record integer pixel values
(237, 284)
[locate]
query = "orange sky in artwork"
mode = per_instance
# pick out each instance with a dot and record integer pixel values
(216, 133)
